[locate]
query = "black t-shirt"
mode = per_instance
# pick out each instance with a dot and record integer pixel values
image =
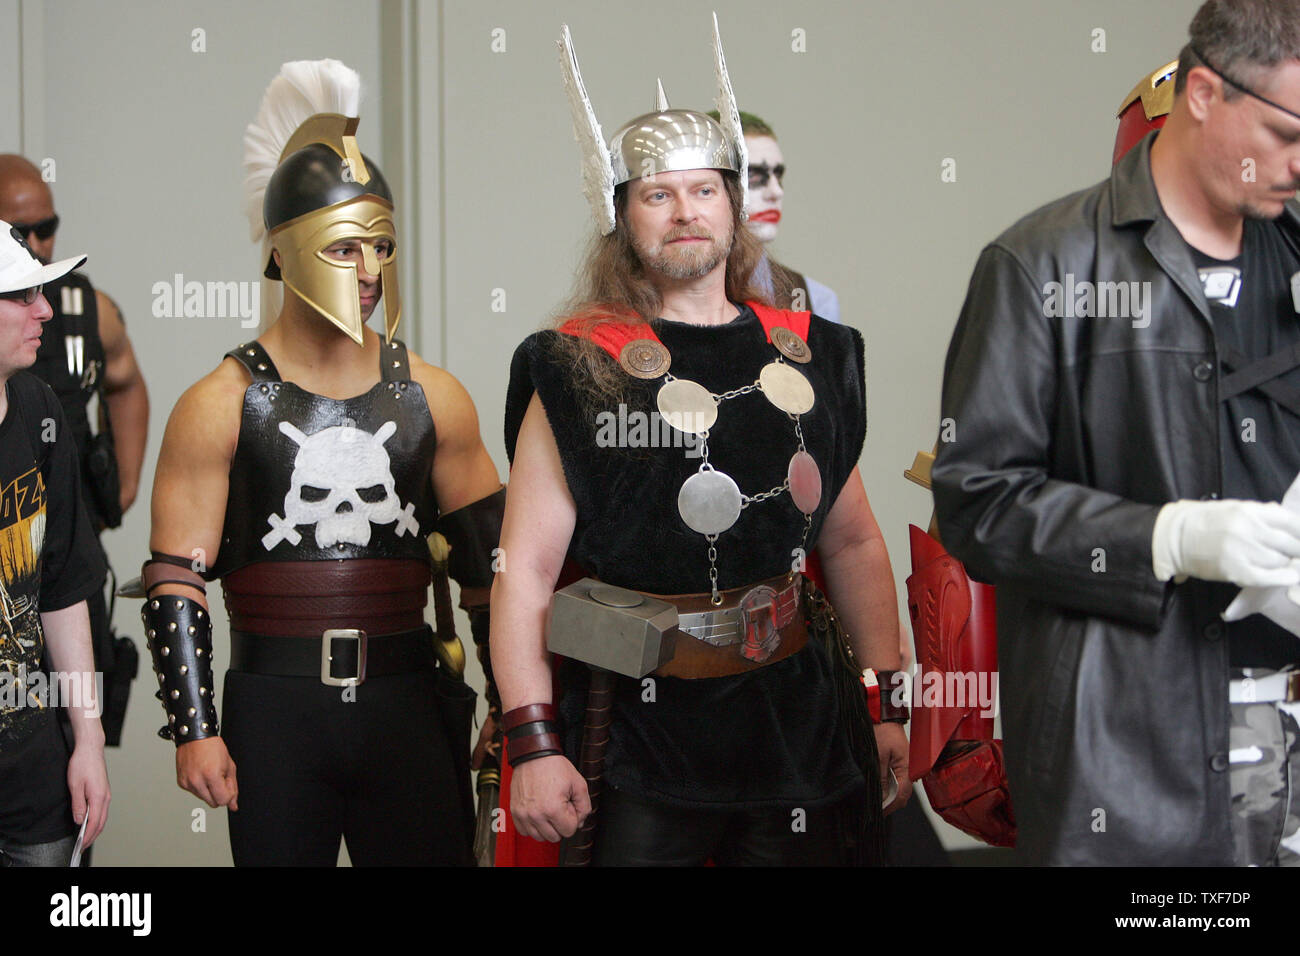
(772, 736)
(49, 560)
(1254, 316)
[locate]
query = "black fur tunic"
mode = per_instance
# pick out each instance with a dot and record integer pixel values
(768, 737)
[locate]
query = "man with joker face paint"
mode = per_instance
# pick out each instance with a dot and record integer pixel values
(788, 287)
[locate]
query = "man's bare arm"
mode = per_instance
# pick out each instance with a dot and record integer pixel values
(463, 471)
(125, 397)
(860, 586)
(859, 579)
(67, 636)
(549, 797)
(191, 485)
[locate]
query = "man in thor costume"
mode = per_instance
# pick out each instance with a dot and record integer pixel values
(742, 748)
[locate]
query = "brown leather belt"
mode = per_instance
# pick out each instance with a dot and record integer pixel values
(695, 658)
(306, 598)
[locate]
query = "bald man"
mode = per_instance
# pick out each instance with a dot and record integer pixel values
(86, 357)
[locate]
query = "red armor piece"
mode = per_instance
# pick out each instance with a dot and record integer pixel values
(952, 747)
(1145, 108)
(969, 790)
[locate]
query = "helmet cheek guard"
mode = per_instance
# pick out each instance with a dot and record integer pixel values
(328, 285)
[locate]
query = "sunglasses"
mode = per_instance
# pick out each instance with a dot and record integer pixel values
(1245, 89)
(43, 229)
(25, 296)
(760, 174)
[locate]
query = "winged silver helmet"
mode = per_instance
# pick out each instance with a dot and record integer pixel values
(663, 140)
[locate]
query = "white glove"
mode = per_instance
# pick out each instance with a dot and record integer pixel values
(1248, 543)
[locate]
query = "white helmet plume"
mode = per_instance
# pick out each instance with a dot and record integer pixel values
(302, 89)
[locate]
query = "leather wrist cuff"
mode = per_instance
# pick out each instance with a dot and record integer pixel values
(530, 748)
(179, 634)
(532, 729)
(474, 532)
(886, 695)
(527, 714)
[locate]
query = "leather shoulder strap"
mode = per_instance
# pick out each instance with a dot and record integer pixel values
(394, 363)
(253, 357)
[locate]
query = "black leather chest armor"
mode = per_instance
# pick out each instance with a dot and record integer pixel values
(318, 479)
(71, 357)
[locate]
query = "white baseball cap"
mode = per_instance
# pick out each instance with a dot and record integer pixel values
(19, 267)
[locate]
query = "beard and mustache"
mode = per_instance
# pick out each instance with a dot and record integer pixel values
(690, 261)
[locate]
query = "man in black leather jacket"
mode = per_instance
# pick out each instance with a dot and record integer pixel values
(1094, 463)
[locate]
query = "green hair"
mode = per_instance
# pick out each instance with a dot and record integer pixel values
(750, 124)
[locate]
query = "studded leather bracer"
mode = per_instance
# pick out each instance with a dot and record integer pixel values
(180, 637)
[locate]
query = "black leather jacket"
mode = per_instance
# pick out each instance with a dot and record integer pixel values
(1065, 435)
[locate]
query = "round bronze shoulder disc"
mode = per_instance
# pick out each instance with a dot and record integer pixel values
(644, 358)
(790, 345)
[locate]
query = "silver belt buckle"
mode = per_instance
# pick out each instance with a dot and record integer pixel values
(326, 643)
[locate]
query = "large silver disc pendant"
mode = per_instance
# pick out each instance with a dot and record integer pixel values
(687, 406)
(786, 388)
(805, 482)
(709, 502)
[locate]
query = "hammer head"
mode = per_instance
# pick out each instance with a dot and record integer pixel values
(611, 628)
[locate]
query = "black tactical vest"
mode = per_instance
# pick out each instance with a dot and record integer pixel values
(317, 479)
(71, 361)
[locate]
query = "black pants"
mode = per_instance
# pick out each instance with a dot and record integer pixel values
(312, 767)
(635, 832)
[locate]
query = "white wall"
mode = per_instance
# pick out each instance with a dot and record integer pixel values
(146, 136)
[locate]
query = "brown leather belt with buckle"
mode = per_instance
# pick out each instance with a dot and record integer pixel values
(753, 627)
(306, 598)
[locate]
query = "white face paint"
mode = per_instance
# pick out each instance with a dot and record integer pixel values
(342, 483)
(764, 200)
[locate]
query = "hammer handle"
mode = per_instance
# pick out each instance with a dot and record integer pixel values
(576, 850)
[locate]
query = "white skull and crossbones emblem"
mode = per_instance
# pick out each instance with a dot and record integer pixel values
(342, 484)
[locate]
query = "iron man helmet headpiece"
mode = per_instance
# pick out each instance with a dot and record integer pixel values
(1145, 108)
(665, 140)
(323, 192)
